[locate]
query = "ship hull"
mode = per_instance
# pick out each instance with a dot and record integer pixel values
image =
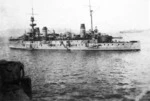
(76, 45)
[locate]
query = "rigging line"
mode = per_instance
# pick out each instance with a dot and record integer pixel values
(32, 8)
(89, 4)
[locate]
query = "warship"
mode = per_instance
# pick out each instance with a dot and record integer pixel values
(85, 40)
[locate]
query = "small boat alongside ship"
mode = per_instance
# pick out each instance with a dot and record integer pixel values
(86, 40)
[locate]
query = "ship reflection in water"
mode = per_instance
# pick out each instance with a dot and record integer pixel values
(84, 75)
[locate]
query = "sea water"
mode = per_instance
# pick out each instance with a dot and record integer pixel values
(86, 75)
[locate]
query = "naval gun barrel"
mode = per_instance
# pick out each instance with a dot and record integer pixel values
(117, 37)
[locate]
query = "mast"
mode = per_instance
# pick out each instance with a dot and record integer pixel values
(32, 20)
(91, 11)
(32, 24)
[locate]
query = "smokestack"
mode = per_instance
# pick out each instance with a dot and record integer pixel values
(37, 31)
(82, 30)
(45, 32)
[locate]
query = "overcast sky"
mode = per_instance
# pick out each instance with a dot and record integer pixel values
(108, 15)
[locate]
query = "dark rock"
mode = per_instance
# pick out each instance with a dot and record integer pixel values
(26, 85)
(17, 95)
(14, 86)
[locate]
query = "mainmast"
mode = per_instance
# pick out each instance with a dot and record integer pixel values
(91, 11)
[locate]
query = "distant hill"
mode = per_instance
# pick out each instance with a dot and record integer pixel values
(12, 32)
(133, 31)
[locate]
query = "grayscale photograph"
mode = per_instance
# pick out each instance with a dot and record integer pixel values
(74, 50)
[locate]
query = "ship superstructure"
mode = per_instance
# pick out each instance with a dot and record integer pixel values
(91, 40)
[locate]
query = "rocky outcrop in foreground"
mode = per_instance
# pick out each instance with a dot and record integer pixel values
(14, 86)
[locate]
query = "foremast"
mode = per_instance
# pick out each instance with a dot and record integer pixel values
(91, 12)
(33, 25)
